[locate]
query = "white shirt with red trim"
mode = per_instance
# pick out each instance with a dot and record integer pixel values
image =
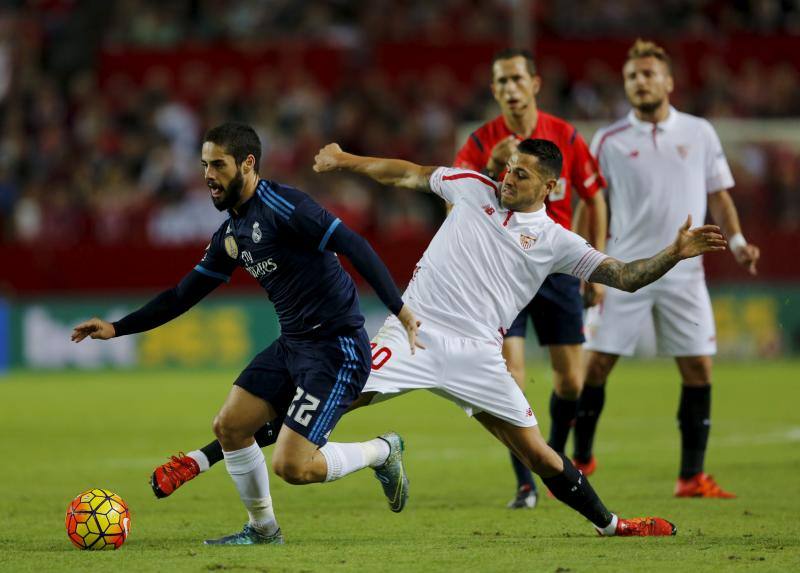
(656, 175)
(486, 263)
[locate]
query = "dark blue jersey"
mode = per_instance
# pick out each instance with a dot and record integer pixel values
(280, 236)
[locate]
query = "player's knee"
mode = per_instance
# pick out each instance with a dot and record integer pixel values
(568, 385)
(597, 371)
(290, 471)
(228, 434)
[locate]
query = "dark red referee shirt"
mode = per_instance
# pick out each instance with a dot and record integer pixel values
(579, 171)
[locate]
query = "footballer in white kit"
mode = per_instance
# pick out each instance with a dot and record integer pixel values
(483, 266)
(467, 296)
(660, 165)
(657, 173)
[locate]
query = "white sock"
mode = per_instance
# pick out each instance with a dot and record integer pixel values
(249, 472)
(610, 529)
(201, 459)
(343, 459)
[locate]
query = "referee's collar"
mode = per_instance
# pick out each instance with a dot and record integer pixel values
(647, 126)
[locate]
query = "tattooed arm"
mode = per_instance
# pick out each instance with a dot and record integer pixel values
(634, 275)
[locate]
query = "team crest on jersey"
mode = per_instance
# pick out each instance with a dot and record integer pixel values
(256, 233)
(489, 209)
(526, 241)
(683, 151)
(231, 247)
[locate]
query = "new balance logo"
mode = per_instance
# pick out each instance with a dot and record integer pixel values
(489, 209)
(634, 154)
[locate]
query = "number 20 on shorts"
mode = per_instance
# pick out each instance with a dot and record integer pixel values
(379, 355)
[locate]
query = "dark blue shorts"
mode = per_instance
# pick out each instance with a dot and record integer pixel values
(556, 311)
(312, 382)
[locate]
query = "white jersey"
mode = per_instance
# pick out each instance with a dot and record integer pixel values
(658, 174)
(486, 263)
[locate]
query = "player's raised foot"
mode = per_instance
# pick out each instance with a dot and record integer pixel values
(701, 485)
(645, 527)
(170, 476)
(392, 474)
(526, 498)
(586, 468)
(248, 536)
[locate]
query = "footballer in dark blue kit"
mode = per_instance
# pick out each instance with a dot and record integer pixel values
(319, 364)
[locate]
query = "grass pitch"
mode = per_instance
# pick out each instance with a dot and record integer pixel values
(65, 432)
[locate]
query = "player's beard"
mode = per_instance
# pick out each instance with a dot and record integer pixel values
(230, 194)
(649, 107)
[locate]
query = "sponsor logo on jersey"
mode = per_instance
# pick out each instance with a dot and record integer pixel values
(231, 247)
(489, 209)
(256, 233)
(262, 268)
(526, 241)
(683, 151)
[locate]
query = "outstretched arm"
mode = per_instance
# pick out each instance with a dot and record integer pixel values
(391, 172)
(636, 274)
(164, 307)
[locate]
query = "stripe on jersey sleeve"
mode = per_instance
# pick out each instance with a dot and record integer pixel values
(326, 237)
(212, 274)
(472, 175)
(588, 263)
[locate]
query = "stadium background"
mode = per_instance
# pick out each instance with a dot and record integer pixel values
(103, 105)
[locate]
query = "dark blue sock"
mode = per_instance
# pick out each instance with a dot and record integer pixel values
(562, 416)
(590, 405)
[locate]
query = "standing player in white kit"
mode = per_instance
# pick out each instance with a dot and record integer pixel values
(484, 265)
(660, 164)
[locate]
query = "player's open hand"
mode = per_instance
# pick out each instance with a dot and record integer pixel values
(94, 328)
(748, 256)
(327, 159)
(411, 324)
(693, 242)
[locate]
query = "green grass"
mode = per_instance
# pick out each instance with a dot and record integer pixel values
(65, 432)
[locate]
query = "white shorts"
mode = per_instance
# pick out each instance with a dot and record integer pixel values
(469, 372)
(680, 311)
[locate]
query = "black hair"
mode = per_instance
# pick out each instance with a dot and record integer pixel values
(238, 139)
(547, 152)
(509, 53)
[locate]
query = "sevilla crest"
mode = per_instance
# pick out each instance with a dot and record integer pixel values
(526, 241)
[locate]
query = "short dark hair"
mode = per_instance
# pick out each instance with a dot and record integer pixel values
(547, 152)
(509, 53)
(238, 139)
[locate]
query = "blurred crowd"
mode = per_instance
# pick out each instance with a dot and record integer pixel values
(118, 162)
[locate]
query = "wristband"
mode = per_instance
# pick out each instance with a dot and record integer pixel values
(737, 241)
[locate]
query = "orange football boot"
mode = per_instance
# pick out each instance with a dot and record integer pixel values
(701, 485)
(645, 527)
(173, 474)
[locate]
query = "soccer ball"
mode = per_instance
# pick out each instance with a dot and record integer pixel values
(98, 519)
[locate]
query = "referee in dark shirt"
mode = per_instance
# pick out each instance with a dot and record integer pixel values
(320, 362)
